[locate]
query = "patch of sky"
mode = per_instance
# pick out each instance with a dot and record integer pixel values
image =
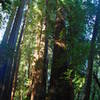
(4, 21)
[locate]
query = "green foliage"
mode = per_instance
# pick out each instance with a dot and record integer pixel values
(76, 15)
(34, 20)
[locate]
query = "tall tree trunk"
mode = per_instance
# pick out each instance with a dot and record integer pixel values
(45, 67)
(16, 26)
(91, 55)
(38, 70)
(16, 59)
(15, 76)
(60, 89)
(40, 64)
(6, 90)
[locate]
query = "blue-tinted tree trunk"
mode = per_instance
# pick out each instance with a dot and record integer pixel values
(5, 90)
(16, 59)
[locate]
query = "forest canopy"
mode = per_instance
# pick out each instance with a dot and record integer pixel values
(50, 50)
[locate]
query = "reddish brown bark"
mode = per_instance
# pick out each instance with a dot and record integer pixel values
(39, 69)
(60, 88)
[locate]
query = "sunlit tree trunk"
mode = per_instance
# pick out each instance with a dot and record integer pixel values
(37, 71)
(39, 66)
(32, 95)
(40, 63)
(91, 55)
